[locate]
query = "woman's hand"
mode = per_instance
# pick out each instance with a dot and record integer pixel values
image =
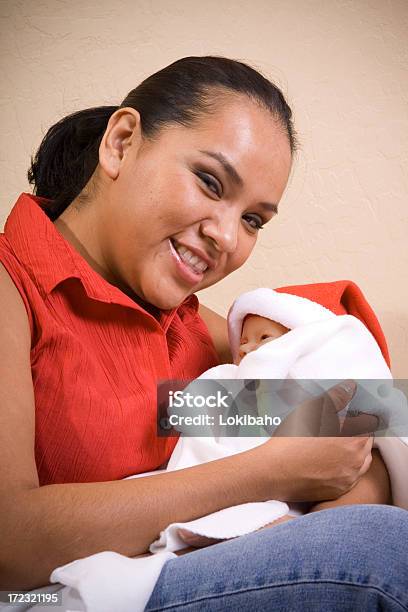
(373, 488)
(306, 468)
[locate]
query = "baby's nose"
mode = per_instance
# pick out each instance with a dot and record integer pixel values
(246, 348)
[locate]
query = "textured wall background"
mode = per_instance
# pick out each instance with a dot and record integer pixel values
(343, 65)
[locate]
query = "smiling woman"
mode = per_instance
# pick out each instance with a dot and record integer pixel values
(135, 208)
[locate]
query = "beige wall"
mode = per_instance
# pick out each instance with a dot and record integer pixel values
(343, 66)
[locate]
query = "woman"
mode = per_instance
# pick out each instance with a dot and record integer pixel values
(138, 207)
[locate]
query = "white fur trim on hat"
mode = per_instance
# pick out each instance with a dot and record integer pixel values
(284, 308)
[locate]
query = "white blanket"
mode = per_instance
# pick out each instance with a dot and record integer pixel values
(339, 348)
(317, 355)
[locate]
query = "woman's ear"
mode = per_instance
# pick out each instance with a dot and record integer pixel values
(122, 133)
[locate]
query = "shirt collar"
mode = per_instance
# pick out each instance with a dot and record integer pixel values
(50, 259)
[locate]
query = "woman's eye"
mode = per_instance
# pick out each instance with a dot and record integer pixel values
(254, 221)
(210, 183)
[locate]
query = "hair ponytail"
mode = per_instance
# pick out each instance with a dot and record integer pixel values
(68, 156)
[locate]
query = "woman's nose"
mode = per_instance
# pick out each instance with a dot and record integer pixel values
(223, 229)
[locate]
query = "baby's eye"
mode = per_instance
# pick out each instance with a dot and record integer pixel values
(210, 182)
(254, 221)
(265, 336)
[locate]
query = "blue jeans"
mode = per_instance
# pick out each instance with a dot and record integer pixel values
(347, 558)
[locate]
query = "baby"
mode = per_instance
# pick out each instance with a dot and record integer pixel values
(258, 331)
(308, 326)
(312, 343)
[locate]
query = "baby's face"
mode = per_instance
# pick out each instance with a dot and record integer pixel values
(257, 331)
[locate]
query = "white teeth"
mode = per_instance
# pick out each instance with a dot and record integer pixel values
(190, 258)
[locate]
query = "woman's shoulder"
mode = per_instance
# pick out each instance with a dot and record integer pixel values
(15, 282)
(13, 307)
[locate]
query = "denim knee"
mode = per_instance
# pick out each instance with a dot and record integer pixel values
(365, 544)
(351, 557)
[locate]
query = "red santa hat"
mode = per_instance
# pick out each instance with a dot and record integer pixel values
(301, 304)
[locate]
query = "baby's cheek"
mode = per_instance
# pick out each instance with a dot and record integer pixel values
(265, 341)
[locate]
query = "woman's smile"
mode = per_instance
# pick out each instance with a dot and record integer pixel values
(192, 262)
(190, 267)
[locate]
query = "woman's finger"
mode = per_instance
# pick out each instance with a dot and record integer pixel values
(341, 394)
(367, 462)
(358, 425)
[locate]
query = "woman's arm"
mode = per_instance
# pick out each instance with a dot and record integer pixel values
(48, 526)
(217, 326)
(44, 527)
(373, 488)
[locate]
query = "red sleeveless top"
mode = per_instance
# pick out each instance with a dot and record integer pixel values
(96, 357)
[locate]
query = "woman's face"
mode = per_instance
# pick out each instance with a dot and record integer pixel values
(181, 212)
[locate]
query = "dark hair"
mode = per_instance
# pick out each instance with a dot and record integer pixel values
(180, 93)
